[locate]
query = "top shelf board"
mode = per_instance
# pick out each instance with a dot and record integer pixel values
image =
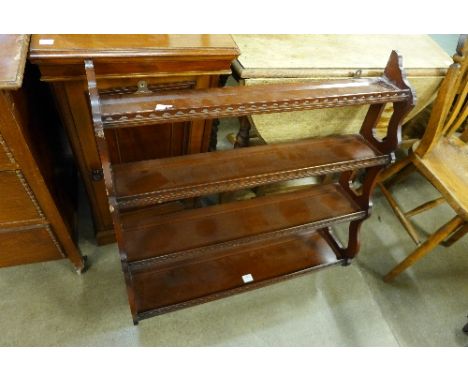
(147, 108)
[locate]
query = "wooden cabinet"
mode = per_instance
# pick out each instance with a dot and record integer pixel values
(16, 203)
(187, 257)
(124, 64)
(36, 212)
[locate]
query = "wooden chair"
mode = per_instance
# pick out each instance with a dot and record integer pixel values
(442, 158)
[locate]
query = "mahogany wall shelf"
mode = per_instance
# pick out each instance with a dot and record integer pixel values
(186, 257)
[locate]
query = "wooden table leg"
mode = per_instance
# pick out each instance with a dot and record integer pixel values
(242, 139)
(214, 127)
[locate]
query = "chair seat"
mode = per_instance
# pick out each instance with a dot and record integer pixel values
(446, 167)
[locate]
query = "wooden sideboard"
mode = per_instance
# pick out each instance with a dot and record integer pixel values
(125, 64)
(36, 211)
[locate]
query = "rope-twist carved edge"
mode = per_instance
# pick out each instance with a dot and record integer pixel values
(31, 196)
(47, 227)
(151, 116)
(7, 150)
(54, 240)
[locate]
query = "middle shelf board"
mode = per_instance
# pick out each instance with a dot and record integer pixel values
(196, 232)
(160, 180)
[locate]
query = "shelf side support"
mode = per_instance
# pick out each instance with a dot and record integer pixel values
(103, 151)
(395, 74)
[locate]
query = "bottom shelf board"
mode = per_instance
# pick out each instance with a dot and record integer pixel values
(179, 283)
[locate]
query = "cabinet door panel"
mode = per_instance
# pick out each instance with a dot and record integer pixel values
(148, 142)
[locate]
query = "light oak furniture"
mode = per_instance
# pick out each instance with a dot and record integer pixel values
(36, 214)
(125, 63)
(188, 257)
(441, 156)
(293, 58)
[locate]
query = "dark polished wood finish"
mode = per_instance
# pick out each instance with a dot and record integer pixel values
(279, 214)
(179, 284)
(181, 106)
(192, 256)
(125, 64)
(36, 207)
(161, 180)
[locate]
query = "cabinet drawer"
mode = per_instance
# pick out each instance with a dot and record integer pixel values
(16, 200)
(27, 245)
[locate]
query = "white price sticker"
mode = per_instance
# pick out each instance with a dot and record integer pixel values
(46, 41)
(247, 278)
(160, 107)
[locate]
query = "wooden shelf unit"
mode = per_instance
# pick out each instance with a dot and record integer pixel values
(186, 257)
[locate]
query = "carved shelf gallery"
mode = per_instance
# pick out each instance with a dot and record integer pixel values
(190, 256)
(181, 106)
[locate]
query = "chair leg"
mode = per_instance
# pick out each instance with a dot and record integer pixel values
(433, 241)
(456, 236)
(426, 206)
(464, 135)
(394, 168)
(402, 174)
(400, 214)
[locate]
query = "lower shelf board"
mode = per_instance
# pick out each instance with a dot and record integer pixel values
(172, 285)
(148, 236)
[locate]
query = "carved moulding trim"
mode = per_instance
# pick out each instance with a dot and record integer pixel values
(230, 292)
(7, 150)
(142, 265)
(251, 181)
(152, 116)
(55, 241)
(39, 211)
(31, 196)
